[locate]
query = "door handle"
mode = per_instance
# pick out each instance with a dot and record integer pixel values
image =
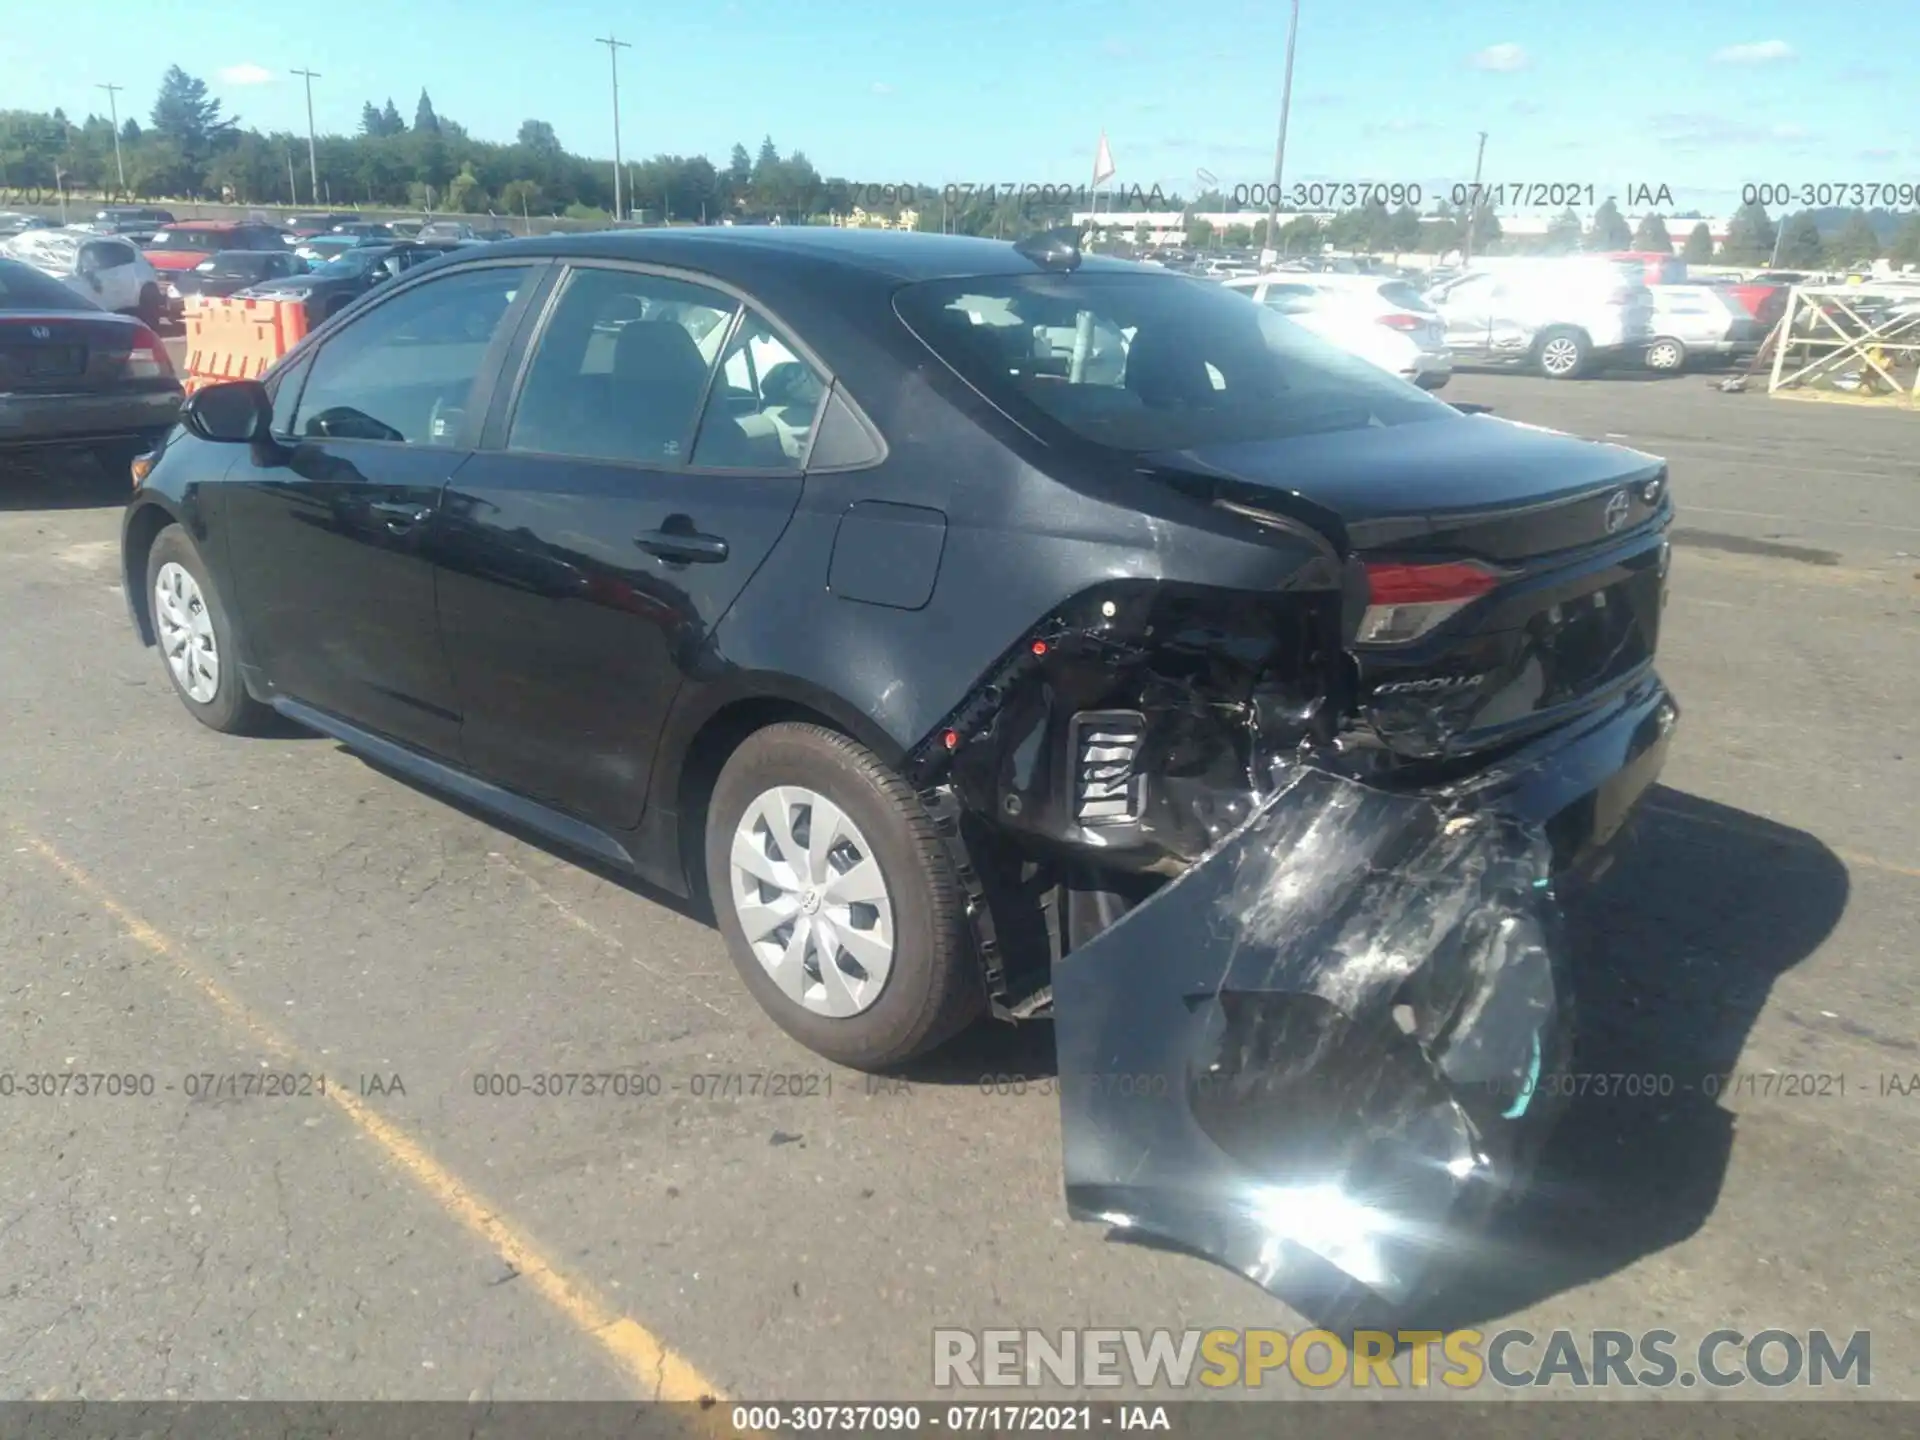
(401, 515)
(682, 547)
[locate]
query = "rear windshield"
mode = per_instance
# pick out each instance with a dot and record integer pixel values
(1144, 362)
(1400, 293)
(191, 240)
(24, 288)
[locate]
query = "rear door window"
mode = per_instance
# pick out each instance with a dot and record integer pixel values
(621, 368)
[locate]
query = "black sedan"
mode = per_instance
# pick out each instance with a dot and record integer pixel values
(979, 628)
(228, 273)
(328, 289)
(74, 376)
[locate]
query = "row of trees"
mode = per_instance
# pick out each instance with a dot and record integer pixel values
(1751, 235)
(191, 149)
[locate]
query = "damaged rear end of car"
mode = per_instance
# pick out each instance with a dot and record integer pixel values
(1297, 847)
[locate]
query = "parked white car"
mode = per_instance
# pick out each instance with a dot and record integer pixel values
(1698, 321)
(104, 270)
(1565, 316)
(1381, 320)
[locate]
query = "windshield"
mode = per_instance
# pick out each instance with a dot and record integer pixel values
(349, 263)
(1145, 362)
(24, 288)
(188, 240)
(237, 265)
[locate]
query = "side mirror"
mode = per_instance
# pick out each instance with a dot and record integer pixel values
(237, 413)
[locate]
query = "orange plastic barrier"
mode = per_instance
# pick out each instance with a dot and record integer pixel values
(229, 339)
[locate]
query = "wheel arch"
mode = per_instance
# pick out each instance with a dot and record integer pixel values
(703, 734)
(145, 520)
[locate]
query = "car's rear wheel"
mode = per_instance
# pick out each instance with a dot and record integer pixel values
(837, 898)
(196, 637)
(1562, 354)
(1666, 355)
(151, 309)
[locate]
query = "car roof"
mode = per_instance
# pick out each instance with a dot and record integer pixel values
(217, 225)
(744, 250)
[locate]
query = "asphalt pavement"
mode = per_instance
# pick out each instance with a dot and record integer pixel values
(193, 913)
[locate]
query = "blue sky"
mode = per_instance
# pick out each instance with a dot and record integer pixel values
(1700, 98)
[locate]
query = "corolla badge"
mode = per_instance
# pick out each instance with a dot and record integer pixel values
(1617, 509)
(41, 332)
(1435, 685)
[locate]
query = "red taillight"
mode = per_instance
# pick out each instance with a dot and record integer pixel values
(1406, 601)
(1400, 320)
(147, 357)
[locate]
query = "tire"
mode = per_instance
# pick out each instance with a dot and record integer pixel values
(226, 706)
(1562, 353)
(873, 1016)
(151, 311)
(1666, 355)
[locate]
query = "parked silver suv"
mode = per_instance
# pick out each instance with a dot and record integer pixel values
(1564, 316)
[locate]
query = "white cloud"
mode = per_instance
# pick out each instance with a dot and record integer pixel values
(1759, 52)
(246, 73)
(880, 87)
(1506, 56)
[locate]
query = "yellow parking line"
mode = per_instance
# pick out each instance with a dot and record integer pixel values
(660, 1372)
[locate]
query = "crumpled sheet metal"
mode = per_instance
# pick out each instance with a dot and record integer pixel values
(1333, 1037)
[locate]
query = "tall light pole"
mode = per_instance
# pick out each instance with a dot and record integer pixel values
(1272, 247)
(113, 109)
(1473, 203)
(614, 47)
(313, 154)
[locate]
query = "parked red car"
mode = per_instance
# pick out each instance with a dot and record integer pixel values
(183, 246)
(1662, 269)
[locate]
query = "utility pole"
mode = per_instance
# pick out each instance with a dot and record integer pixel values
(614, 47)
(113, 109)
(1473, 203)
(313, 155)
(1271, 250)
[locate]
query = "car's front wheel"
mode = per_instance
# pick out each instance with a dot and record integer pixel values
(1562, 354)
(837, 898)
(196, 637)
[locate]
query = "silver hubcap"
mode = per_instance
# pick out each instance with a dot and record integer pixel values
(1663, 357)
(1560, 356)
(186, 633)
(812, 902)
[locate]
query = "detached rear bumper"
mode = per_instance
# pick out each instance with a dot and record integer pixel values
(78, 417)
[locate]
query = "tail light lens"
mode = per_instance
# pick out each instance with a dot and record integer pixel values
(1404, 602)
(1401, 320)
(147, 359)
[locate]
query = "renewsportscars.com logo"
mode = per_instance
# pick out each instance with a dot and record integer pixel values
(1405, 1359)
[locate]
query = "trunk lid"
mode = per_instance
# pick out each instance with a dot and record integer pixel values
(1515, 575)
(63, 351)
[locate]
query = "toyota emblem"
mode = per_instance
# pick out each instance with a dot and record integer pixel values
(41, 332)
(1617, 509)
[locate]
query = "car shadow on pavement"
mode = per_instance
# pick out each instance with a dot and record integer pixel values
(1676, 952)
(59, 480)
